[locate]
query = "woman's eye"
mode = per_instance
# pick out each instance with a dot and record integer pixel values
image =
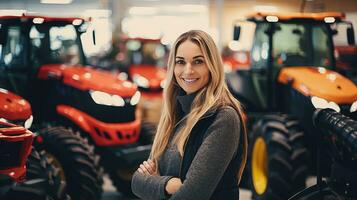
(198, 61)
(180, 62)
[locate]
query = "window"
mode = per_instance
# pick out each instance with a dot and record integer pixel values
(301, 44)
(63, 44)
(146, 52)
(260, 48)
(12, 52)
(55, 44)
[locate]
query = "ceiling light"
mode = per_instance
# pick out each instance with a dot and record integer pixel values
(56, 1)
(97, 13)
(193, 8)
(12, 12)
(265, 9)
(142, 11)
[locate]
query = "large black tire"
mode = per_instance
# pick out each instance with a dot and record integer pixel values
(42, 181)
(277, 167)
(78, 164)
(121, 178)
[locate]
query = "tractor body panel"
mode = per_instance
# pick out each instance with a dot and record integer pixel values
(320, 82)
(15, 146)
(13, 107)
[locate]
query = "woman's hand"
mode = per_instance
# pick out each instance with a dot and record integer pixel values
(173, 185)
(148, 167)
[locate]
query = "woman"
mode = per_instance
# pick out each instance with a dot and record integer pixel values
(200, 147)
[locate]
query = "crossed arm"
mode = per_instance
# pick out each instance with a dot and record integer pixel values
(149, 168)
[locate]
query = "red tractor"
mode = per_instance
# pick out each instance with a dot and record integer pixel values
(234, 60)
(24, 173)
(145, 62)
(43, 61)
(346, 61)
(345, 53)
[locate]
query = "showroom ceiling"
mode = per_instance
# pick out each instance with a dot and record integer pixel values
(78, 7)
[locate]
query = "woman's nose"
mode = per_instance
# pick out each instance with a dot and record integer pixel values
(188, 68)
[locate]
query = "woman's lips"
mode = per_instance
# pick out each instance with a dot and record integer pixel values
(189, 80)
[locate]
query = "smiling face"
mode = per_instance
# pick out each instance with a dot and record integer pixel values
(191, 71)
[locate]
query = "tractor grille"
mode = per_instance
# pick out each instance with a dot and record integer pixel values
(109, 114)
(158, 90)
(9, 154)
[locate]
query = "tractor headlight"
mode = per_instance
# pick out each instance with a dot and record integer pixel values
(28, 122)
(141, 81)
(323, 103)
(353, 107)
(162, 83)
(104, 98)
(135, 98)
(3, 120)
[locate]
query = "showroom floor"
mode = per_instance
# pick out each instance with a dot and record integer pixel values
(111, 194)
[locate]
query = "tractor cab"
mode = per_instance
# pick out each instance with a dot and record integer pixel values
(345, 49)
(145, 62)
(30, 42)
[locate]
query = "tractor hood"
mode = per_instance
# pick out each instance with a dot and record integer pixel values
(155, 75)
(320, 82)
(13, 107)
(87, 78)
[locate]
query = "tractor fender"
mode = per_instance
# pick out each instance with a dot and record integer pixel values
(320, 82)
(74, 116)
(103, 134)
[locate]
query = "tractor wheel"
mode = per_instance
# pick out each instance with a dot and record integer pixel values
(78, 164)
(278, 158)
(42, 181)
(121, 178)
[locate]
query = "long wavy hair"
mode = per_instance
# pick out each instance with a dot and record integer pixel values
(215, 94)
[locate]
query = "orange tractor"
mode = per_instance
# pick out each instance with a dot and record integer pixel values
(292, 69)
(43, 61)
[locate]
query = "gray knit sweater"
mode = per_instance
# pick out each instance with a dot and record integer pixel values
(219, 146)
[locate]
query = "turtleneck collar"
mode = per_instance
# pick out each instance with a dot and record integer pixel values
(185, 100)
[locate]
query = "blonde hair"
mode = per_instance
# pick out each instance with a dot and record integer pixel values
(215, 94)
